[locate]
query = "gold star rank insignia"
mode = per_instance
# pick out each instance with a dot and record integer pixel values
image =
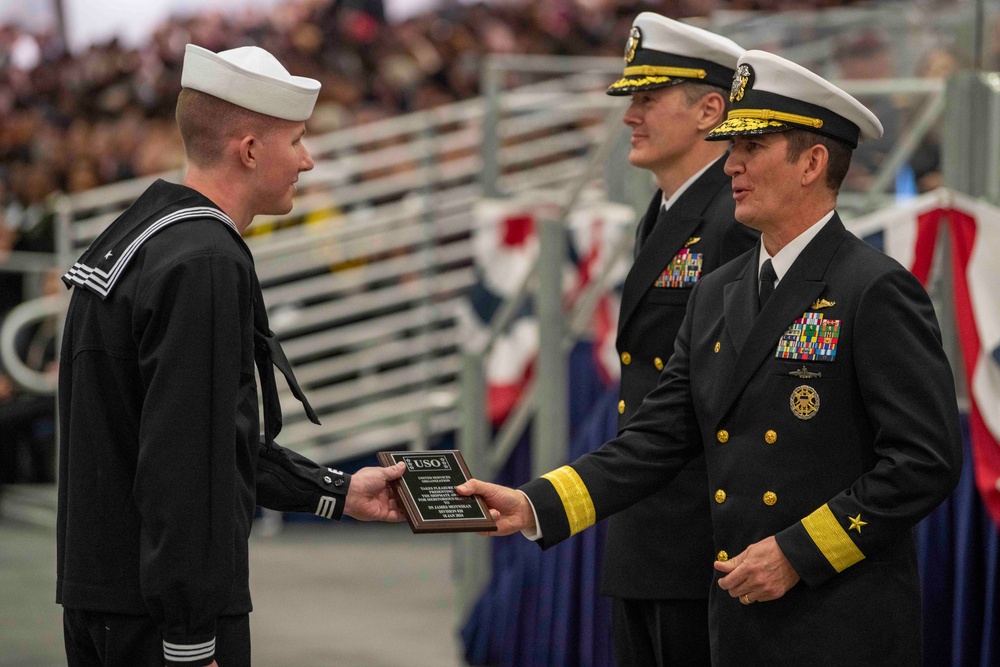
(856, 523)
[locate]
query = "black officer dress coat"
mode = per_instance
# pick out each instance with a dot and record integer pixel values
(838, 455)
(661, 547)
(160, 458)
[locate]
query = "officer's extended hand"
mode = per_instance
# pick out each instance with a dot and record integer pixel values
(510, 508)
(759, 574)
(370, 498)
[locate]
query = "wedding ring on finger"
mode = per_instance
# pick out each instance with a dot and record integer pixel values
(745, 598)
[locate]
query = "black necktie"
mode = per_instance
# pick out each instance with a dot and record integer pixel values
(647, 228)
(767, 278)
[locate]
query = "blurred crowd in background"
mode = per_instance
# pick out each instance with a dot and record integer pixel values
(71, 122)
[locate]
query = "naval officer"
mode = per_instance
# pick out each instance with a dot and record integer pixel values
(810, 372)
(658, 554)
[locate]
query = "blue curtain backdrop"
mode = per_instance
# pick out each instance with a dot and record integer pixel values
(545, 608)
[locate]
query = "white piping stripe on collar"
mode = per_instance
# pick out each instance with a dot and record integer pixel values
(327, 505)
(103, 282)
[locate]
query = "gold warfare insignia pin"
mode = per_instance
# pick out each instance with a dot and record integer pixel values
(822, 303)
(740, 79)
(804, 402)
(632, 45)
(805, 373)
(691, 241)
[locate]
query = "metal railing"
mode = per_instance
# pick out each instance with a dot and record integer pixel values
(366, 279)
(374, 276)
(29, 312)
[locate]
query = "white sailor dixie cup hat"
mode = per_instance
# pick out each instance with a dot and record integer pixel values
(661, 52)
(251, 78)
(770, 94)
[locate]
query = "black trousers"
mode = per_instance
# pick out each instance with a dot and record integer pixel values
(101, 639)
(660, 633)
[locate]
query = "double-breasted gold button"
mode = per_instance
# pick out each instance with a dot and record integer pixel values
(723, 436)
(770, 498)
(626, 358)
(718, 346)
(722, 556)
(720, 496)
(658, 363)
(770, 437)
(621, 407)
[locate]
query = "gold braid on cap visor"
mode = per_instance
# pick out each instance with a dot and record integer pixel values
(767, 114)
(653, 70)
(652, 75)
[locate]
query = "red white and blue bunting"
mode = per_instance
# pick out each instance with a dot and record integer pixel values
(910, 233)
(506, 244)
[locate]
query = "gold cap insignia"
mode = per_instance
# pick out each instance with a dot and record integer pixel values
(804, 402)
(822, 303)
(740, 80)
(632, 45)
(691, 241)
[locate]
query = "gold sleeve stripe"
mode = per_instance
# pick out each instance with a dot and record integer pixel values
(832, 539)
(575, 498)
(768, 114)
(652, 70)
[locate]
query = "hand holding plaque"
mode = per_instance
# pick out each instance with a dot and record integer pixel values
(427, 492)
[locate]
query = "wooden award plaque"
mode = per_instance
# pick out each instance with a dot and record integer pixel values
(427, 491)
